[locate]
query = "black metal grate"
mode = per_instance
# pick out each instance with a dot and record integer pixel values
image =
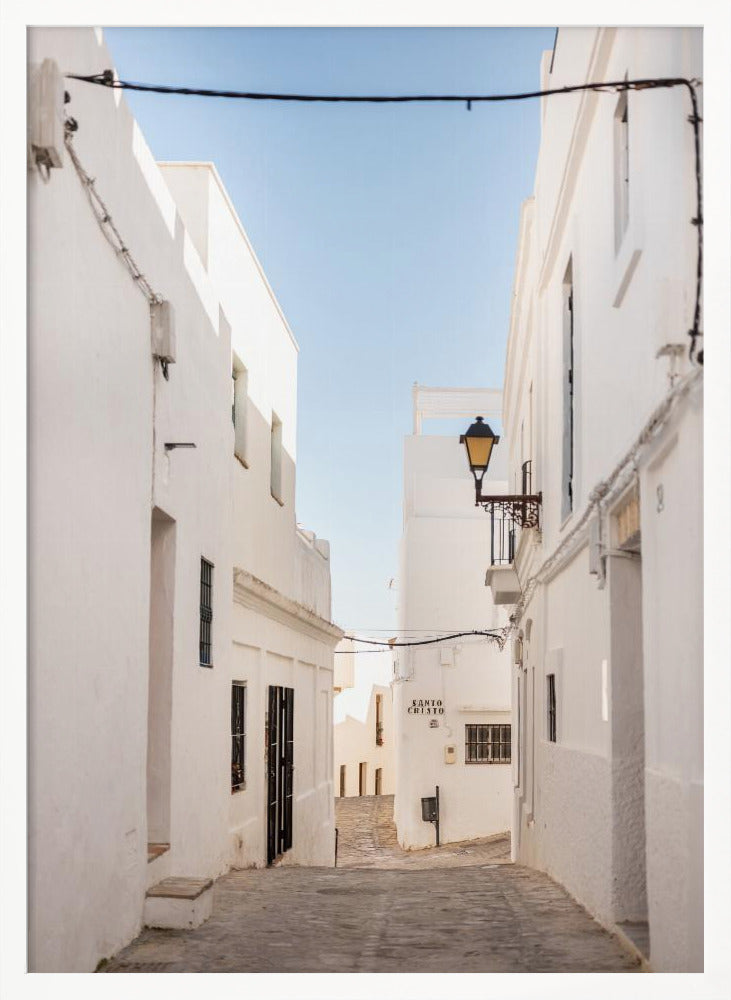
(502, 538)
(206, 612)
(238, 736)
(487, 744)
(551, 678)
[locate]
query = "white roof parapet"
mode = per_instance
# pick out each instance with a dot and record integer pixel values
(431, 402)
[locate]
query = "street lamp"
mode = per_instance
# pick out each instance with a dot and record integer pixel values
(520, 508)
(479, 440)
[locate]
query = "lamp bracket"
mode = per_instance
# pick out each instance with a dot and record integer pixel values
(521, 508)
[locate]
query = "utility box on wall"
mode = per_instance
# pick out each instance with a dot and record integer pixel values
(429, 809)
(450, 754)
(163, 331)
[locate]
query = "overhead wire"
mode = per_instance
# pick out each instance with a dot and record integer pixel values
(107, 79)
(496, 635)
(106, 223)
(605, 490)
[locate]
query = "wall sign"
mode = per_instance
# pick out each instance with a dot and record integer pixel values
(426, 706)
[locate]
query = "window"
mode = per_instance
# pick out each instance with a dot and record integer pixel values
(238, 412)
(621, 170)
(362, 775)
(379, 720)
(487, 744)
(551, 705)
(276, 466)
(206, 612)
(379, 781)
(342, 781)
(567, 484)
(238, 736)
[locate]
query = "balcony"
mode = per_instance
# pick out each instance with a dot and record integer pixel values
(509, 515)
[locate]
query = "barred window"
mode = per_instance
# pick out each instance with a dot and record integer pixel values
(206, 612)
(487, 744)
(238, 736)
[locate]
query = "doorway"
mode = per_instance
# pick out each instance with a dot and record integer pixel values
(623, 708)
(280, 770)
(160, 681)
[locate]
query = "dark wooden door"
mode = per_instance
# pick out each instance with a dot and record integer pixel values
(280, 770)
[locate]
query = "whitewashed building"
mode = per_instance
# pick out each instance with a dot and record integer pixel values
(451, 701)
(602, 399)
(363, 748)
(180, 674)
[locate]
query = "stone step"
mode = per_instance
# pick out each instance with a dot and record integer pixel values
(179, 902)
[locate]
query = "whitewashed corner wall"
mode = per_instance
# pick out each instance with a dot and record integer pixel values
(613, 808)
(110, 507)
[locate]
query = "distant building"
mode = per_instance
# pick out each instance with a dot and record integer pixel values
(363, 750)
(451, 701)
(180, 648)
(605, 407)
(344, 672)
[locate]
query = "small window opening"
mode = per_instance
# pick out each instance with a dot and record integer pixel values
(206, 612)
(276, 463)
(238, 736)
(551, 683)
(239, 410)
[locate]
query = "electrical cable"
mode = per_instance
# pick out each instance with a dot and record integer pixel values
(106, 224)
(107, 79)
(605, 490)
(497, 635)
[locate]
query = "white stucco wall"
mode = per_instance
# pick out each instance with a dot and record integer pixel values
(272, 646)
(355, 744)
(277, 642)
(613, 809)
(101, 414)
(265, 538)
(445, 543)
(111, 508)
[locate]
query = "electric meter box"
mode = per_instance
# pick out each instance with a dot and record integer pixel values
(450, 754)
(429, 809)
(46, 114)
(163, 331)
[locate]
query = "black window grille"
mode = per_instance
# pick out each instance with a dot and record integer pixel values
(551, 678)
(487, 744)
(206, 612)
(238, 736)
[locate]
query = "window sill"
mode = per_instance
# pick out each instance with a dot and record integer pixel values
(488, 762)
(239, 788)
(241, 461)
(208, 666)
(278, 499)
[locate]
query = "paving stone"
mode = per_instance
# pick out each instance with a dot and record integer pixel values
(367, 839)
(378, 913)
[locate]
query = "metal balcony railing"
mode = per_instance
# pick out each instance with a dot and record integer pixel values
(509, 514)
(502, 538)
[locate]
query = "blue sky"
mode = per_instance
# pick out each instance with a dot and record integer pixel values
(388, 234)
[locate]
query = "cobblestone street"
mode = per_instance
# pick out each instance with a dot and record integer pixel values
(367, 839)
(459, 909)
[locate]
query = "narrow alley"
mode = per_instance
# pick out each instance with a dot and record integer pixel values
(459, 908)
